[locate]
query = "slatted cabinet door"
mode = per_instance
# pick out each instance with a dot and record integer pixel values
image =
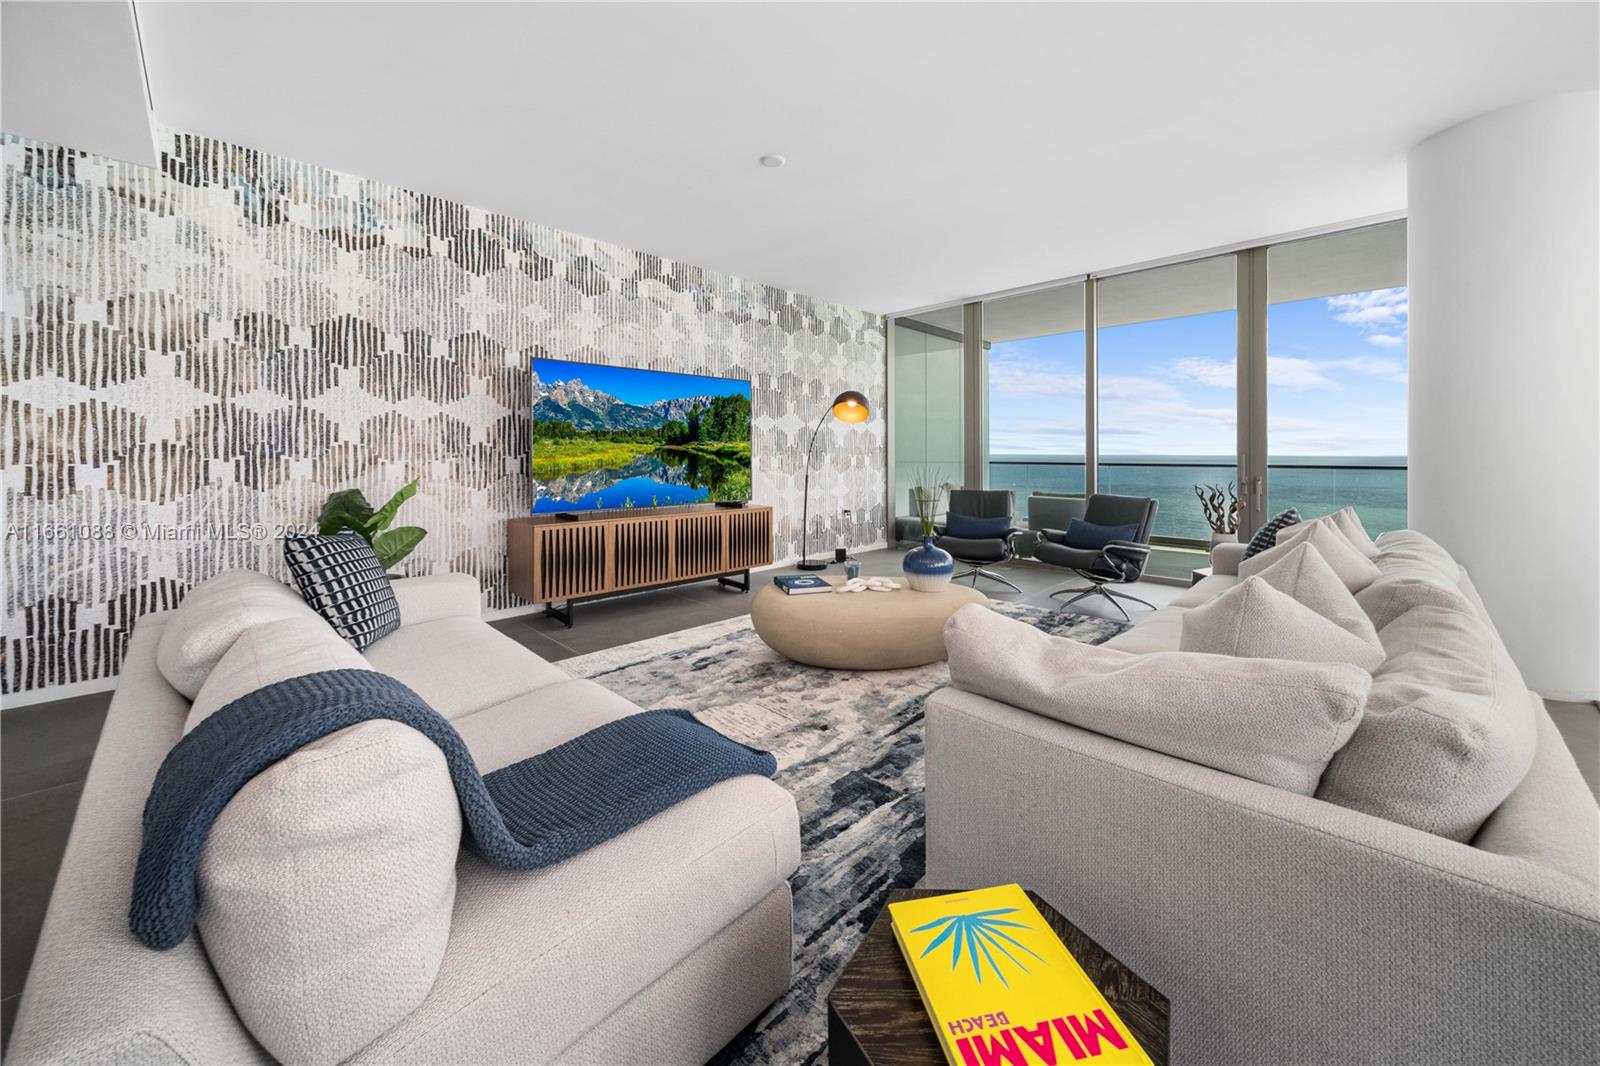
(571, 561)
(699, 545)
(749, 538)
(642, 551)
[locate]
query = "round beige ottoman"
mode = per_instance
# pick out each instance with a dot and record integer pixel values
(858, 630)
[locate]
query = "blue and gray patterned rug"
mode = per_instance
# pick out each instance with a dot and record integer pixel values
(849, 748)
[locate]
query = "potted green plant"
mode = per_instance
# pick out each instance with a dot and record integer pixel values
(349, 510)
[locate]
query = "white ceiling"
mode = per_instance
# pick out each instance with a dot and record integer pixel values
(70, 74)
(935, 151)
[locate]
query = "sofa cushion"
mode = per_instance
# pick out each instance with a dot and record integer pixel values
(1355, 570)
(1161, 631)
(1204, 590)
(591, 932)
(341, 578)
(271, 652)
(1551, 817)
(327, 883)
(1303, 574)
(1447, 733)
(461, 665)
(1254, 620)
(1270, 720)
(1394, 593)
(211, 617)
(434, 596)
(1407, 547)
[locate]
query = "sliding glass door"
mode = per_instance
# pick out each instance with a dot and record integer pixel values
(1168, 392)
(1336, 375)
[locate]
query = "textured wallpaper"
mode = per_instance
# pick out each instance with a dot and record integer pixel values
(195, 357)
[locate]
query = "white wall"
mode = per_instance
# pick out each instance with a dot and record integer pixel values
(1505, 374)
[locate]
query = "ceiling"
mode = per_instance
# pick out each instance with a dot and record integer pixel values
(935, 151)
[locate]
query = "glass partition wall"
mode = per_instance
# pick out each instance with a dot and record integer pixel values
(1140, 383)
(926, 406)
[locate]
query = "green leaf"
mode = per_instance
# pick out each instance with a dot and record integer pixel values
(396, 544)
(385, 514)
(345, 510)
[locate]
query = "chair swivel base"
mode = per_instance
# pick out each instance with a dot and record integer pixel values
(975, 572)
(1098, 588)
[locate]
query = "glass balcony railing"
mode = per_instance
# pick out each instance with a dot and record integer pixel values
(1376, 487)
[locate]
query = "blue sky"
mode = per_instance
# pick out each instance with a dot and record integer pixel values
(1336, 384)
(642, 387)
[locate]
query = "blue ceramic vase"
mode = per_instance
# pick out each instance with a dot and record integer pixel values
(928, 568)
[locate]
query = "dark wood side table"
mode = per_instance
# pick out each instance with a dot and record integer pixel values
(876, 1018)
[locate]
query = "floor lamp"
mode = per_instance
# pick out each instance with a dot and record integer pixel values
(848, 406)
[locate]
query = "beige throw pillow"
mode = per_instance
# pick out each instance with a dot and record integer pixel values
(1346, 521)
(1269, 720)
(210, 619)
(1355, 570)
(331, 874)
(1253, 620)
(1302, 573)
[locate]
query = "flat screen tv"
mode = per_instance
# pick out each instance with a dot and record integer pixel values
(607, 437)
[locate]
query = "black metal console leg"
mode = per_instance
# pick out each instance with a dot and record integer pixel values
(728, 582)
(552, 611)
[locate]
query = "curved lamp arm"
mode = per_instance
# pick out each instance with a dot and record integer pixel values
(843, 407)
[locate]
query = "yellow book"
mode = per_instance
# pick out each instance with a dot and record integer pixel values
(1000, 986)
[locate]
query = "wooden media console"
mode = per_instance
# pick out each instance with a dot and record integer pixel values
(555, 558)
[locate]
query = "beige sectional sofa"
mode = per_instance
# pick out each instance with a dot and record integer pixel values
(340, 919)
(1369, 916)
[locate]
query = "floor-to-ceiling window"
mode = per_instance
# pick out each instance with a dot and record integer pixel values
(1168, 388)
(1034, 345)
(1319, 325)
(926, 407)
(1336, 375)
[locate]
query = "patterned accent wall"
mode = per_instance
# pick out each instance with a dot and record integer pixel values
(194, 357)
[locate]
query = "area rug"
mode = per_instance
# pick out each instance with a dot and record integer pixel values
(849, 749)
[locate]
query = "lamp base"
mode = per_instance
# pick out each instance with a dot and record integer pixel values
(810, 564)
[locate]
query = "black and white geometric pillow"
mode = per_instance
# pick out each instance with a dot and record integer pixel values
(1267, 536)
(340, 577)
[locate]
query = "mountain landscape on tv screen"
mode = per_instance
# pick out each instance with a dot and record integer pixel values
(592, 449)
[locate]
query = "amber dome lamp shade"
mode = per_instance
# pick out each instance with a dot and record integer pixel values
(851, 406)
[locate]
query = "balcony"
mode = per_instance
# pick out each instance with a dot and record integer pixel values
(1376, 487)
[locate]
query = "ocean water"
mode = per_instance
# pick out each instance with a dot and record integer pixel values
(1371, 483)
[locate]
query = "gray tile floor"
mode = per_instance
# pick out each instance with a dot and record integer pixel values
(45, 749)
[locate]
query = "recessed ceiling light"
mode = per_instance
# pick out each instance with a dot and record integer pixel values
(773, 161)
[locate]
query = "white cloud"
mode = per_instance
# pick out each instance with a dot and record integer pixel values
(1381, 315)
(1372, 366)
(1288, 372)
(1031, 377)
(1216, 373)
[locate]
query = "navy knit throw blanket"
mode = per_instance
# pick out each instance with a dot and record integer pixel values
(533, 813)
